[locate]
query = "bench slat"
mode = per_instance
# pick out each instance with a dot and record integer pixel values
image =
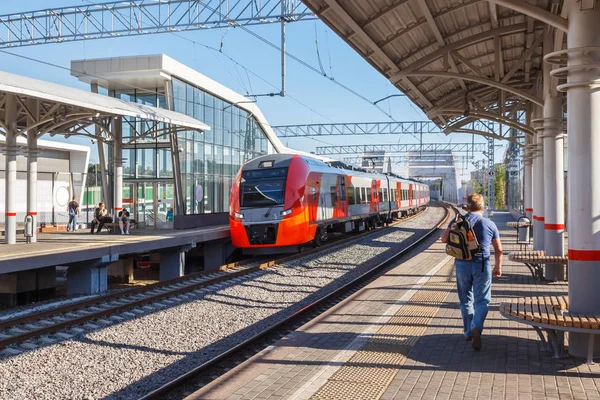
(513, 309)
(551, 315)
(568, 319)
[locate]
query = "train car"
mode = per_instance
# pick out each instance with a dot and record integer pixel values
(280, 202)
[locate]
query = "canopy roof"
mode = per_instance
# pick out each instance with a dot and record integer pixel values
(65, 110)
(459, 60)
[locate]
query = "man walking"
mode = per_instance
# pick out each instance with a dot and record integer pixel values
(73, 210)
(474, 277)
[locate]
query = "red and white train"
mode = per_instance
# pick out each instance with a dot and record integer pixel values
(280, 202)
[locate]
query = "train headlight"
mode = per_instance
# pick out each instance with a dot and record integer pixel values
(239, 215)
(286, 212)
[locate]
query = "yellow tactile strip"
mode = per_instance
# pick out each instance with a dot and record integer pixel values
(369, 372)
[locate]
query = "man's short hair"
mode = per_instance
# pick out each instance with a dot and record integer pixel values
(475, 202)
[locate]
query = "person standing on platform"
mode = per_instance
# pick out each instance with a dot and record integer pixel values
(73, 210)
(474, 277)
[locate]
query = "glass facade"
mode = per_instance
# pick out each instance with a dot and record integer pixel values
(208, 160)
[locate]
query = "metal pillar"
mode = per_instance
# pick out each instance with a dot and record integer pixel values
(177, 182)
(10, 172)
(118, 165)
(32, 167)
(554, 187)
(538, 183)
(101, 157)
(528, 171)
(583, 98)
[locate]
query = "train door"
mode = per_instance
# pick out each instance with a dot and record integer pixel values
(341, 206)
(327, 197)
(410, 194)
(312, 194)
(374, 206)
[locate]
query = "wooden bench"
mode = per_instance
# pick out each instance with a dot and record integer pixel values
(551, 314)
(535, 261)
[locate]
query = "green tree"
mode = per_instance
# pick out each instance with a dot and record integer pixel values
(500, 186)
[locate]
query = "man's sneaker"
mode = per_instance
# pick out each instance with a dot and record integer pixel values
(127, 233)
(476, 335)
(122, 233)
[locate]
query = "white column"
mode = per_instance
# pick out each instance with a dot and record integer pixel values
(583, 127)
(32, 167)
(10, 172)
(528, 171)
(118, 165)
(538, 184)
(554, 186)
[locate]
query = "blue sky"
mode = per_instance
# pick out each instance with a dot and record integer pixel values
(329, 102)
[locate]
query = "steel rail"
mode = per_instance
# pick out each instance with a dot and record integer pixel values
(125, 304)
(169, 386)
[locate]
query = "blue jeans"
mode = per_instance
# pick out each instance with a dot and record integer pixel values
(72, 222)
(474, 292)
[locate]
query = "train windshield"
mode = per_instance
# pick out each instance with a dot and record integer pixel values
(263, 187)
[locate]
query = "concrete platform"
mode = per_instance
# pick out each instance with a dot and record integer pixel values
(61, 248)
(401, 337)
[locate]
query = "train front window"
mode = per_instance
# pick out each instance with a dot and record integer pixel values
(263, 188)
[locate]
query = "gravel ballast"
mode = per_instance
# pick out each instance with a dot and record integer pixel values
(128, 359)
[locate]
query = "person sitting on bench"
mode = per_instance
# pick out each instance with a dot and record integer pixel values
(101, 217)
(124, 221)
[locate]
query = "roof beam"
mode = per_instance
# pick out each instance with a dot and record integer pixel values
(395, 5)
(524, 57)
(483, 81)
(438, 35)
(393, 68)
(538, 13)
(467, 64)
(334, 6)
(468, 41)
(489, 116)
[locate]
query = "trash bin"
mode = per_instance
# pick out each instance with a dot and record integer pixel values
(523, 230)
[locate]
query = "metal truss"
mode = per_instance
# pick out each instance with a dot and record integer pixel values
(397, 148)
(445, 159)
(366, 128)
(141, 17)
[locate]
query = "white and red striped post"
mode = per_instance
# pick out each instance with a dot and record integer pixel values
(583, 127)
(538, 183)
(118, 165)
(10, 172)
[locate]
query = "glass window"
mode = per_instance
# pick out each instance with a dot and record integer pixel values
(217, 193)
(146, 162)
(227, 127)
(218, 166)
(227, 162)
(165, 163)
(263, 187)
(358, 199)
(218, 121)
(351, 195)
(145, 98)
(189, 156)
(179, 95)
(342, 184)
(209, 117)
(333, 193)
(235, 161)
(198, 157)
(210, 159)
(129, 163)
(369, 197)
(189, 99)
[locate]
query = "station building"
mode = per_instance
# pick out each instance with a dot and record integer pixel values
(62, 169)
(205, 163)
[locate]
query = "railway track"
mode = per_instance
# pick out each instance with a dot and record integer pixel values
(231, 357)
(18, 335)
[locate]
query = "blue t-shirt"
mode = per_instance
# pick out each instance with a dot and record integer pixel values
(485, 230)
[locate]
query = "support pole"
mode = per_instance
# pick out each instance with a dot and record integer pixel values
(283, 47)
(10, 172)
(528, 172)
(118, 165)
(554, 188)
(177, 182)
(538, 184)
(583, 98)
(32, 167)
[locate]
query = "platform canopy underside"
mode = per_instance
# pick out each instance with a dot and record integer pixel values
(460, 61)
